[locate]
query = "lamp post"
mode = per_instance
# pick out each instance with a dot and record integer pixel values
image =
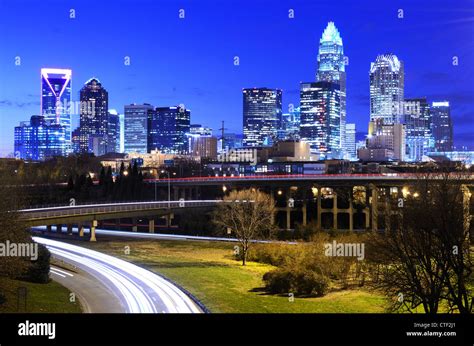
(169, 188)
(151, 172)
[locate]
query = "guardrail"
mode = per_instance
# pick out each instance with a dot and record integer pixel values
(78, 210)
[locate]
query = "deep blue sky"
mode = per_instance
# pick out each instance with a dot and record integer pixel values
(190, 60)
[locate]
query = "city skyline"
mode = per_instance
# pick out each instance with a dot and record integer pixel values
(213, 99)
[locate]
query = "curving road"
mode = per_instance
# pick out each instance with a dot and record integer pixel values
(136, 289)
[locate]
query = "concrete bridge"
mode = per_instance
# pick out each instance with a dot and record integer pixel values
(89, 215)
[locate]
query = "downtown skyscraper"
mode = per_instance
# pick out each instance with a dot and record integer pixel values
(56, 101)
(387, 84)
(136, 121)
(168, 128)
(442, 126)
(94, 118)
(261, 116)
(320, 118)
(418, 128)
(331, 68)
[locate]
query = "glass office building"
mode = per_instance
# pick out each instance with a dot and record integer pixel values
(56, 100)
(418, 129)
(113, 132)
(320, 118)
(386, 89)
(331, 68)
(94, 117)
(39, 139)
(168, 128)
(442, 126)
(136, 118)
(261, 116)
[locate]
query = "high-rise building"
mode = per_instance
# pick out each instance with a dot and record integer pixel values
(39, 139)
(290, 125)
(56, 101)
(113, 132)
(261, 115)
(231, 141)
(386, 89)
(350, 142)
(331, 68)
(418, 129)
(384, 142)
(197, 129)
(320, 118)
(442, 126)
(136, 121)
(94, 117)
(168, 128)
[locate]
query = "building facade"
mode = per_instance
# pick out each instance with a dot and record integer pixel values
(94, 118)
(418, 129)
(261, 116)
(56, 92)
(387, 83)
(136, 119)
(168, 128)
(113, 132)
(320, 118)
(442, 126)
(350, 142)
(331, 68)
(39, 139)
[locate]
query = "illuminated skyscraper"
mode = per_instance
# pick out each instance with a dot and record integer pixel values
(418, 129)
(94, 117)
(168, 128)
(136, 128)
(320, 118)
(350, 142)
(39, 139)
(262, 116)
(442, 126)
(113, 132)
(331, 68)
(56, 100)
(386, 89)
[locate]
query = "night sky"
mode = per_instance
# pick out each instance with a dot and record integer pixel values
(191, 60)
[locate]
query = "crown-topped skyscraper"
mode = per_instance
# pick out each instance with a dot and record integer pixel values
(331, 68)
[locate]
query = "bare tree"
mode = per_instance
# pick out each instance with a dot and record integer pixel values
(423, 254)
(248, 214)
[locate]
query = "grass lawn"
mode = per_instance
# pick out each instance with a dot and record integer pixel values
(50, 297)
(222, 284)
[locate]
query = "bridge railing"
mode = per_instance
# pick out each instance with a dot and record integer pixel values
(78, 210)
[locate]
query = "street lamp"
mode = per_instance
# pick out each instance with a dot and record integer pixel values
(169, 188)
(151, 172)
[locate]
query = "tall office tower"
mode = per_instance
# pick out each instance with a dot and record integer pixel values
(290, 125)
(442, 126)
(136, 121)
(331, 68)
(350, 142)
(231, 141)
(320, 118)
(168, 128)
(94, 117)
(76, 140)
(418, 129)
(386, 89)
(56, 100)
(262, 116)
(113, 132)
(39, 139)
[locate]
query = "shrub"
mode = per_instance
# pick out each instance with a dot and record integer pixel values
(39, 270)
(302, 283)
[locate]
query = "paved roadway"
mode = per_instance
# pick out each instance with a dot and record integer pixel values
(136, 289)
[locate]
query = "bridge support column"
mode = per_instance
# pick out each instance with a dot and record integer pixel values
(69, 229)
(49, 228)
(151, 226)
(288, 210)
(59, 229)
(334, 212)
(375, 207)
(80, 229)
(134, 225)
(93, 226)
(319, 212)
(351, 214)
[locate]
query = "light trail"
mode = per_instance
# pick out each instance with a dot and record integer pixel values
(140, 290)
